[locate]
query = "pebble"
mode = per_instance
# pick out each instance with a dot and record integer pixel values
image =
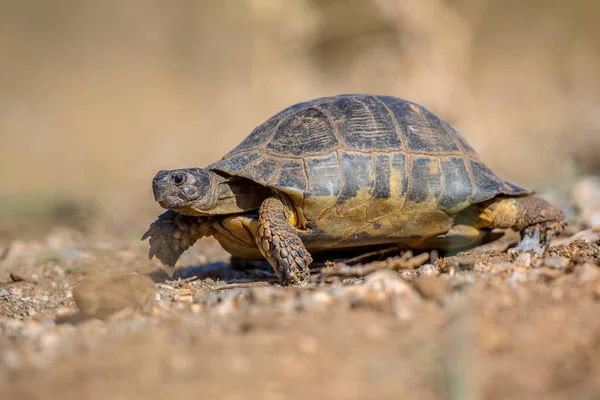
(427, 270)
(556, 262)
(49, 340)
(386, 283)
(262, 296)
(319, 301)
(517, 276)
(407, 275)
(4, 293)
(100, 297)
(183, 299)
(431, 287)
(196, 308)
(382, 287)
(524, 259)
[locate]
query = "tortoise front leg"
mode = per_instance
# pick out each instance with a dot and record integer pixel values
(279, 243)
(536, 219)
(173, 233)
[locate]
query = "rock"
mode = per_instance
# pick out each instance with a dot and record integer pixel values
(382, 289)
(407, 275)
(427, 270)
(183, 299)
(104, 296)
(524, 259)
(195, 308)
(4, 293)
(556, 262)
(262, 296)
(431, 287)
(318, 301)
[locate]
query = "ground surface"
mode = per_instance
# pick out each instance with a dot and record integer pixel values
(482, 324)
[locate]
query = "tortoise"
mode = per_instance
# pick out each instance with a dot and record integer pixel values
(341, 173)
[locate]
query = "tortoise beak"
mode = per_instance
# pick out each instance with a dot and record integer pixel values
(160, 184)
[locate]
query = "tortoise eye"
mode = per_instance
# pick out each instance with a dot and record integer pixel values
(178, 179)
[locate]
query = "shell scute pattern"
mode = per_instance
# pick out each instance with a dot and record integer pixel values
(363, 124)
(306, 132)
(343, 146)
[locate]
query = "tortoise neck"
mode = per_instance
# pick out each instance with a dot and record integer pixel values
(237, 195)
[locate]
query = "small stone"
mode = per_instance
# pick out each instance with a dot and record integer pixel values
(49, 340)
(427, 270)
(228, 306)
(431, 287)
(11, 358)
(382, 289)
(588, 272)
(183, 299)
(386, 283)
(4, 293)
(103, 296)
(184, 292)
(63, 311)
(196, 308)
(517, 277)
(556, 262)
(319, 300)
(31, 312)
(407, 275)
(524, 259)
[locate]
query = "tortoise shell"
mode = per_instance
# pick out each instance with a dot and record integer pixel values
(361, 158)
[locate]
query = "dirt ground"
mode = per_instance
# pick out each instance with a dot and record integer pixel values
(88, 316)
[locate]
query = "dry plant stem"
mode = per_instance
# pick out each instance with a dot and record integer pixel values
(180, 281)
(239, 286)
(359, 271)
(381, 252)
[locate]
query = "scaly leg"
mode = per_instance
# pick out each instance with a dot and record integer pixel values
(280, 244)
(173, 233)
(536, 219)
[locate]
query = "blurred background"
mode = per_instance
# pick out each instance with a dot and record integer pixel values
(96, 96)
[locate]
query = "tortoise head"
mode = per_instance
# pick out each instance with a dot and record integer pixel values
(190, 191)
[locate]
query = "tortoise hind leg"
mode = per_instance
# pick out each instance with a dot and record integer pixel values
(536, 219)
(280, 244)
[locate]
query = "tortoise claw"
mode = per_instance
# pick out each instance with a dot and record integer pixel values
(151, 231)
(537, 237)
(530, 241)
